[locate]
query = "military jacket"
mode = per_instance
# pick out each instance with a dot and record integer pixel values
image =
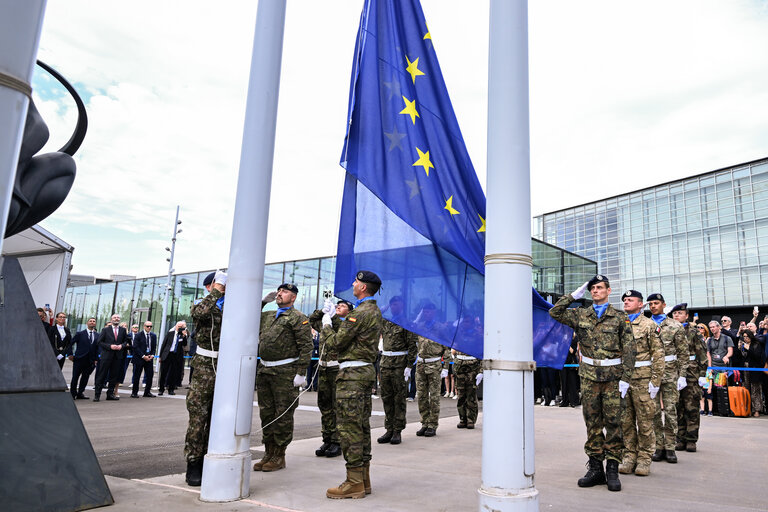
(285, 337)
(316, 321)
(429, 349)
(357, 340)
(673, 337)
(607, 337)
(696, 347)
(207, 317)
(397, 339)
(649, 348)
(462, 365)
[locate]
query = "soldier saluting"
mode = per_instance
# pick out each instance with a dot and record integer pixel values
(607, 359)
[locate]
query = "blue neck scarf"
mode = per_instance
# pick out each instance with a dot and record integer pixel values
(360, 301)
(220, 303)
(659, 318)
(280, 311)
(599, 310)
(342, 318)
(633, 316)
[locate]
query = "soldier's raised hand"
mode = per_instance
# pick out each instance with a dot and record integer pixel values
(580, 291)
(328, 307)
(269, 297)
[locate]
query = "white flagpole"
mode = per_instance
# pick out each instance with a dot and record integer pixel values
(508, 452)
(227, 466)
(20, 27)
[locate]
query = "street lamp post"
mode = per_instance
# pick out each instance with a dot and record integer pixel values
(169, 259)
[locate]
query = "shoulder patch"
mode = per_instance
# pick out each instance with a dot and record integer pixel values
(658, 330)
(305, 322)
(351, 319)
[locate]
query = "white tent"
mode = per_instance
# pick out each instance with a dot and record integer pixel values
(45, 260)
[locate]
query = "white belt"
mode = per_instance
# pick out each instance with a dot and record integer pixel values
(466, 358)
(329, 363)
(601, 362)
(280, 362)
(692, 358)
(396, 353)
(670, 358)
(353, 364)
(428, 360)
(640, 364)
(207, 353)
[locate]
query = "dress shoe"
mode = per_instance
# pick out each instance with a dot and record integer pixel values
(396, 439)
(563, 404)
(134, 395)
(387, 437)
(671, 457)
(149, 395)
(81, 397)
(112, 397)
(658, 455)
(171, 392)
(95, 399)
(430, 432)
(421, 431)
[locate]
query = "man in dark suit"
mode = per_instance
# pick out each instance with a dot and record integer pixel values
(144, 346)
(61, 338)
(112, 340)
(171, 357)
(83, 353)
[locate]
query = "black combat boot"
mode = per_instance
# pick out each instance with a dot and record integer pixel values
(658, 455)
(195, 472)
(421, 431)
(671, 456)
(387, 437)
(396, 438)
(334, 450)
(320, 452)
(612, 475)
(595, 474)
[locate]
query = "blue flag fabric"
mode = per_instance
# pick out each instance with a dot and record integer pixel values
(413, 209)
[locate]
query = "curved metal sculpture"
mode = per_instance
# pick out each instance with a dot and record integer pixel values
(43, 181)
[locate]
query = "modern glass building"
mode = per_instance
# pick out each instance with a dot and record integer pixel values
(141, 299)
(701, 240)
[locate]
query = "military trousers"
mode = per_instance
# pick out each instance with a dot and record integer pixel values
(637, 422)
(688, 418)
(277, 395)
(428, 391)
(666, 431)
(394, 391)
(601, 407)
(466, 389)
(326, 402)
(353, 420)
(199, 405)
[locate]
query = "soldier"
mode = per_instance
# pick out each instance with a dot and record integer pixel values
(694, 372)
(639, 410)
(356, 343)
(607, 359)
(397, 358)
(206, 314)
(675, 356)
(431, 367)
(285, 346)
(328, 369)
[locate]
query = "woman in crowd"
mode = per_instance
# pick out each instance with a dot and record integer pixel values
(706, 392)
(754, 356)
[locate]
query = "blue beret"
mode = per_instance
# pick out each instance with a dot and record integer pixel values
(209, 279)
(366, 276)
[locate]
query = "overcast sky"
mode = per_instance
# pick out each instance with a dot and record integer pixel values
(623, 96)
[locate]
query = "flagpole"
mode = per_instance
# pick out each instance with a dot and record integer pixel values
(227, 466)
(508, 450)
(20, 27)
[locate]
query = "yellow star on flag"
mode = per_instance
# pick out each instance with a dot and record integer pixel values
(427, 36)
(449, 207)
(410, 109)
(413, 68)
(424, 161)
(482, 228)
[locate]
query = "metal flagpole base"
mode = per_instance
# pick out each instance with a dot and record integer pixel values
(226, 477)
(492, 499)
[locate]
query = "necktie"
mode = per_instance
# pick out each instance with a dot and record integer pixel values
(115, 333)
(90, 336)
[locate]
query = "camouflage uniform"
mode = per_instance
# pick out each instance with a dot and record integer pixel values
(399, 353)
(607, 337)
(207, 318)
(428, 367)
(465, 369)
(328, 370)
(675, 356)
(639, 410)
(690, 396)
(286, 337)
(356, 341)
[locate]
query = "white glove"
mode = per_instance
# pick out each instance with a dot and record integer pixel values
(702, 381)
(269, 297)
(478, 379)
(681, 383)
(220, 278)
(407, 374)
(653, 390)
(418, 317)
(623, 388)
(579, 293)
(328, 307)
(299, 380)
(443, 373)
(327, 320)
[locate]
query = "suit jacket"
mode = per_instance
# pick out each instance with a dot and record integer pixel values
(82, 348)
(141, 344)
(60, 345)
(165, 349)
(107, 338)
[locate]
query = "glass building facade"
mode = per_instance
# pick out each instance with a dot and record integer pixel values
(554, 270)
(701, 240)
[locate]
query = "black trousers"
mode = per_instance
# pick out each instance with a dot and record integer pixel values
(112, 367)
(169, 371)
(569, 380)
(81, 372)
(140, 365)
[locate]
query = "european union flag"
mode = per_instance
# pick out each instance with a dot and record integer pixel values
(413, 209)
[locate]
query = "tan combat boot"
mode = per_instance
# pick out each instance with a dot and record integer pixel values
(277, 461)
(352, 487)
(268, 452)
(367, 477)
(627, 465)
(643, 468)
